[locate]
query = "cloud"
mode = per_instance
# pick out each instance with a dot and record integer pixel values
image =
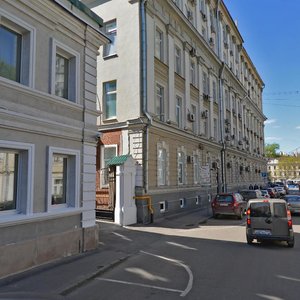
(271, 121)
(298, 127)
(273, 138)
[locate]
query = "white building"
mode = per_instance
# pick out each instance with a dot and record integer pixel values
(178, 91)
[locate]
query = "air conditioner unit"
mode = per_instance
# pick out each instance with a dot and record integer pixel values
(211, 41)
(189, 15)
(233, 136)
(225, 45)
(231, 53)
(205, 96)
(240, 143)
(233, 112)
(240, 116)
(204, 17)
(227, 121)
(191, 117)
(214, 165)
(227, 130)
(204, 114)
(213, 29)
(193, 52)
(227, 138)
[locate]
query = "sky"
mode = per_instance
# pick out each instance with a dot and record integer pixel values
(271, 33)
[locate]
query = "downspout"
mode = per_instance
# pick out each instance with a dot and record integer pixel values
(221, 105)
(144, 100)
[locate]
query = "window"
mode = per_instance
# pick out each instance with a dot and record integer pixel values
(196, 169)
(159, 42)
(160, 102)
(178, 60)
(181, 163)
(194, 124)
(215, 128)
(215, 91)
(65, 72)
(161, 166)
(107, 153)
(63, 178)
(193, 73)
(111, 31)
(10, 54)
(110, 99)
(17, 40)
(205, 83)
(16, 177)
(179, 111)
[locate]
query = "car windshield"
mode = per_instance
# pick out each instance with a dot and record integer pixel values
(224, 198)
(260, 209)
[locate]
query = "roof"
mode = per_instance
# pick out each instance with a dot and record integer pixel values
(118, 160)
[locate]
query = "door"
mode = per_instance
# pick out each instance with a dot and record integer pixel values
(261, 219)
(280, 221)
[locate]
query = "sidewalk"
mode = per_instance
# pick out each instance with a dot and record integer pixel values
(116, 244)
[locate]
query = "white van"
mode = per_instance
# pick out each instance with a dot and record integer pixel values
(269, 219)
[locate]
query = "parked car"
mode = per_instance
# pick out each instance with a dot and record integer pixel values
(293, 202)
(250, 194)
(272, 192)
(229, 204)
(292, 189)
(265, 193)
(269, 219)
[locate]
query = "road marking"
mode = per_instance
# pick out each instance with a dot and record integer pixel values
(182, 246)
(190, 283)
(269, 297)
(289, 278)
(140, 284)
(122, 236)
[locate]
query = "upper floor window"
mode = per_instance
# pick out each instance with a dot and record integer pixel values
(194, 124)
(160, 102)
(178, 60)
(205, 83)
(214, 91)
(65, 71)
(111, 31)
(110, 99)
(159, 44)
(215, 128)
(17, 40)
(193, 73)
(179, 112)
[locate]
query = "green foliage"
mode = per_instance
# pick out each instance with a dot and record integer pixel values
(271, 150)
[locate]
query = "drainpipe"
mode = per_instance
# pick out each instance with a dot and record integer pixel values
(144, 99)
(221, 104)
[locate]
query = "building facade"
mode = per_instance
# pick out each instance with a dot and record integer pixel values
(284, 168)
(178, 91)
(47, 131)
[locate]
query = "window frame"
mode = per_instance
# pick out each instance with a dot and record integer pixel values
(160, 102)
(178, 60)
(181, 166)
(73, 57)
(73, 178)
(107, 48)
(105, 99)
(25, 173)
(28, 48)
(179, 111)
(159, 44)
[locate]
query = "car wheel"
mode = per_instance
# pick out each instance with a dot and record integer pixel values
(291, 243)
(249, 240)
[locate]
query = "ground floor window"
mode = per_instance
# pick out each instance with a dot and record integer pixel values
(16, 177)
(63, 178)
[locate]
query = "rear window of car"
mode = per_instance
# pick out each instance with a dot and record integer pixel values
(260, 209)
(224, 198)
(280, 210)
(292, 199)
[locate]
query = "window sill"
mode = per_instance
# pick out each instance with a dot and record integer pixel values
(110, 56)
(18, 219)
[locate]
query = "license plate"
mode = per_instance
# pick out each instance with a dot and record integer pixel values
(224, 204)
(262, 232)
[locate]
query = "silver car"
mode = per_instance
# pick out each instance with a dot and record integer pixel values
(293, 202)
(269, 219)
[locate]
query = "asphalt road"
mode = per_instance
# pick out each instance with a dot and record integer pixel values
(196, 261)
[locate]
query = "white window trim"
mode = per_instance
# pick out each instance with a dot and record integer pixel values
(68, 152)
(58, 45)
(165, 146)
(32, 55)
(30, 148)
(184, 169)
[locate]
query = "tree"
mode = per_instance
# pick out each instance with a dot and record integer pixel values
(270, 150)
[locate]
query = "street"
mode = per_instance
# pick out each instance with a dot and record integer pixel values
(174, 260)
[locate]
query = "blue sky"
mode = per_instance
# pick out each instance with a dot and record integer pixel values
(271, 33)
